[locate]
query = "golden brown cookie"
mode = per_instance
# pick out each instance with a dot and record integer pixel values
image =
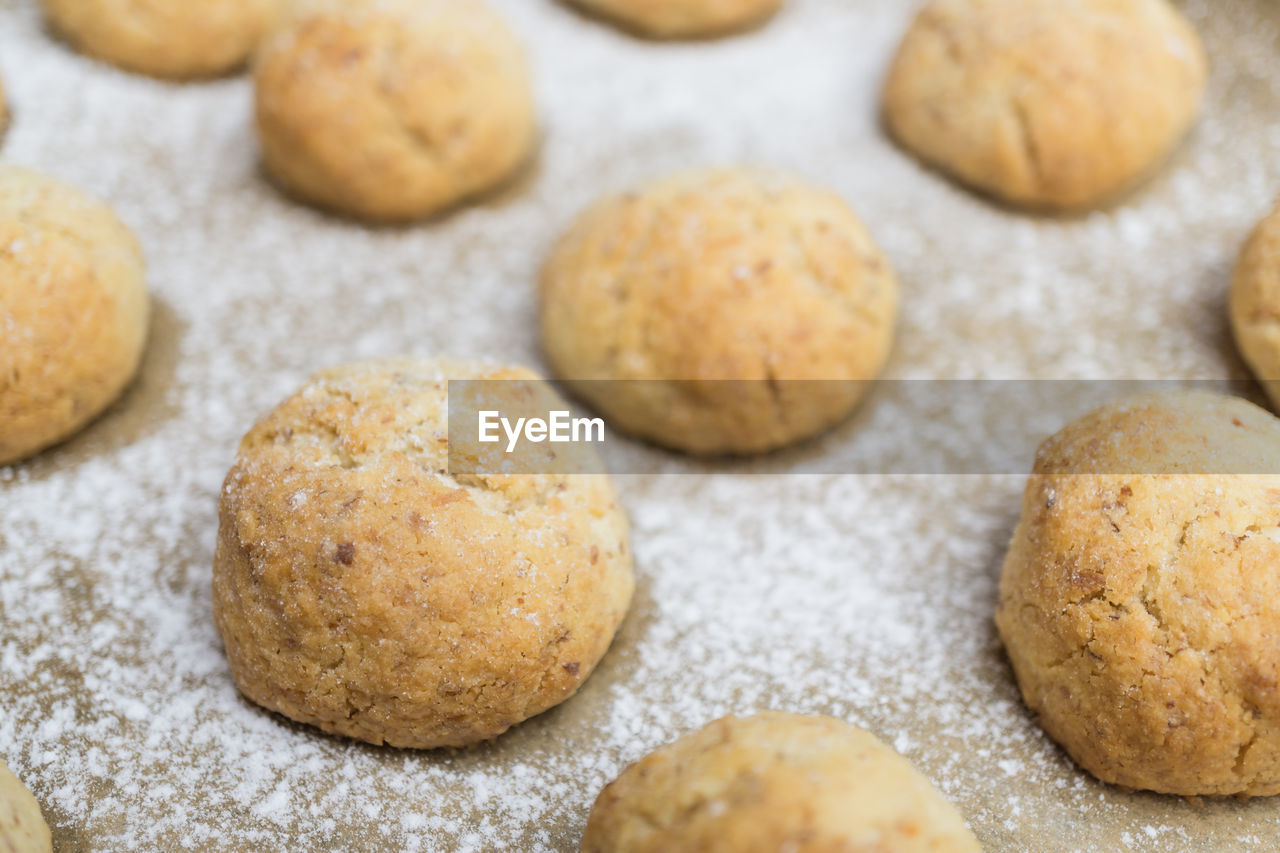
(22, 827)
(1140, 602)
(773, 782)
(391, 110)
(166, 38)
(1255, 304)
(680, 19)
(719, 311)
(1053, 104)
(362, 588)
(74, 307)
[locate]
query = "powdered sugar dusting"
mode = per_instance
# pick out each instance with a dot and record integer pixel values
(865, 597)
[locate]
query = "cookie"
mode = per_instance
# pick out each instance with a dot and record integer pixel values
(165, 38)
(362, 588)
(1051, 104)
(719, 312)
(682, 19)
(1255, 304)
(1140, 598)
(771, 782)
(74, 304)
(22, 827)
(390, 110)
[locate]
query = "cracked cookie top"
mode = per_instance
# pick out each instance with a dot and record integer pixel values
(1140, 599)
(360, 587)
(719, 311)
(389, 110)
(1055, 104)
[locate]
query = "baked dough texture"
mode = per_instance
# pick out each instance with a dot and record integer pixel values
(166, 38)
(389, 110)
(773, 782)
(1051, 104)
(22, 827)
(73, 310)
(1255, 304)
(1140, 599)
(361, 588)
(719, 312)
(679, 19)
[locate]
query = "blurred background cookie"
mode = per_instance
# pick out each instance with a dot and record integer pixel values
(676, 19)
(1044, 103)
(773, 782)
(165, 38)
(363, 588)
(22, 827)
(720, 311)
(391, 110)
(1140, 599)
(1255, 304)
(73, 307)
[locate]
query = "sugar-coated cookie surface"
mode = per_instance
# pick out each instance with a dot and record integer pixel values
(1054, 104)
(166, 38)
(720, 311)
(360, 587)
(1255, 304)
(682, 18)
(390, 110)
(22, 826)
(1140, 598)
(73, 307)
(772, 782)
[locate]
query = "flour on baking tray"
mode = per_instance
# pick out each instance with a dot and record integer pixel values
(865, 597)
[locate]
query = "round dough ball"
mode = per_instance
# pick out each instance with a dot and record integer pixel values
(389, 110)
(678, 19)
(729, 311)
(1052, 104)
(1255, 304)
(1140, 599)
(361, 588)
(22, 827)
(166, 38)
(772, 782)
(74, 307)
